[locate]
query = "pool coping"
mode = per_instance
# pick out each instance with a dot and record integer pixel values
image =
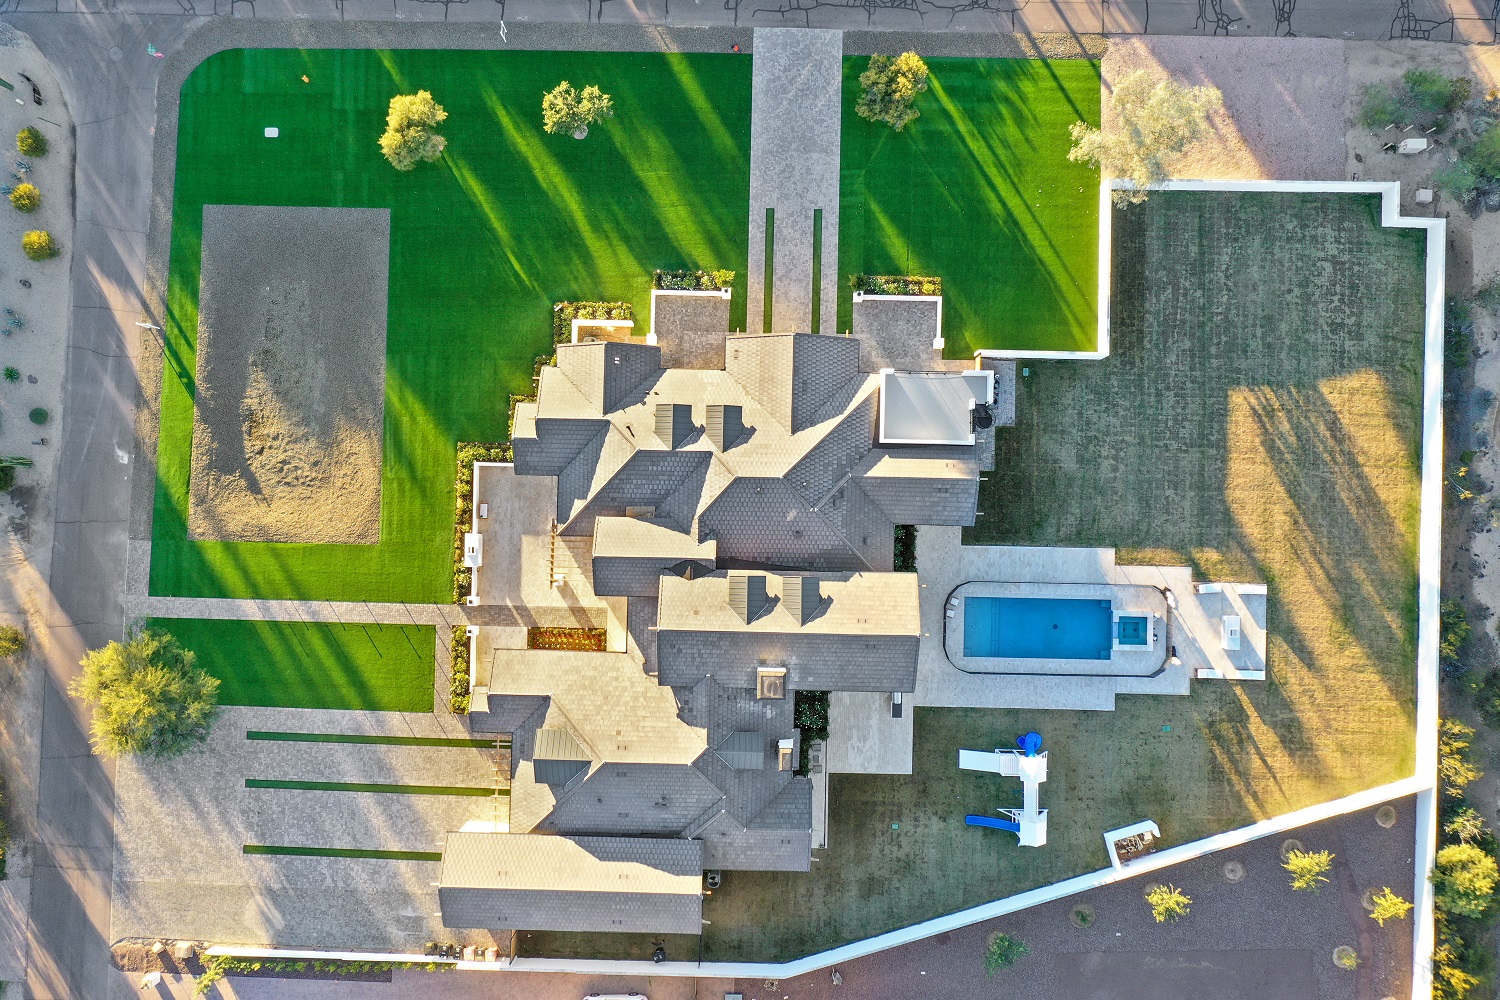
(1151, 603)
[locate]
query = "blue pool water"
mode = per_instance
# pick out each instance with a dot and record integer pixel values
(1131, 630)
(1038, 628)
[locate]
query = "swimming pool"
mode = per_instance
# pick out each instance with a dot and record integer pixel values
(1038, 628)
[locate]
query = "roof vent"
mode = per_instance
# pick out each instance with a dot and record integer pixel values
(726, 425)
(674, 423)
(747, 596)
(770, 682)
(801, 597)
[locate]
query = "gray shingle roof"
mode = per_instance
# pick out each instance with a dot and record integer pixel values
(538, 882)
(633, 800)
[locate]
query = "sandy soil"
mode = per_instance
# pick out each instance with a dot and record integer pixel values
(288, 427)
(1283, 114)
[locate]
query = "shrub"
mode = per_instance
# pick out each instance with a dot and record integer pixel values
(458, 685)
(1483, 157)
(12, 374)
(1379, 107)
(1002, 953)
(1168, 902)
(564, 313)
(692, 281)
(31, 142)
(149, 696)
(891, 87)
(38, 415)
(1432, 93)
(26, 198)
(1453, 629)
(1456, 180)
(896, 284)
(1307, 868)
(1450, 979)
(409, 138)
(1154, 120)
(12, 639)
(579, 640)
(1466, 825)
(1454, 768)
(1346, 957)
(38, 244)
(1463, 880)
(7, 478)
(565, 109)
(906, 548)
(1389, 906)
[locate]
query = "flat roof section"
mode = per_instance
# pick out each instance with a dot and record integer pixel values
(932, 407)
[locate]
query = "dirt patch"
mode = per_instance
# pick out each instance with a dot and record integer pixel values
(1283, 114)
(288, 422)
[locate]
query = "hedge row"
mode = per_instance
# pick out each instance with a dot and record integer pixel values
(458, 684)
(469, 452)
(896, 284)
(564, 313)
(692, 281)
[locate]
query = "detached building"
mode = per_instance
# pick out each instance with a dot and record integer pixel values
(732, 533)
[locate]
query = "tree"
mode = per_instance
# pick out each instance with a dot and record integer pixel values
(891, 87)
(1454, 767)
(1463, 880)
(1467, 825)
(26, 198)
(38, 244)
(31, 142)
(1002, 953)
(148, 694)
(1389, 906)
(1149, 122)
(565, 109)
(1168, 902)
(409, 138)
(1307, 868)
(12, 640)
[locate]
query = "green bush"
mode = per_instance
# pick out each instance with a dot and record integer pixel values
(896, 284)
(26, 198)
(1168, 902)
(7, 478)
(906, 548)
(565, 109)
(1379, 107)
(31, 142)
(1424, 96)
(38, 244)
(1002, 953)
(1388, 906)
(12, 374)
(458, 683)
(1464, 879)
(149, 696)
(1455, 769)
(692, 281)
(1453, 628)
(1431, 92)
(891, 87)
(1307, 868)
(564, 313)
(810, 715)
(1456, 180)
(12, 639)
(38, 415)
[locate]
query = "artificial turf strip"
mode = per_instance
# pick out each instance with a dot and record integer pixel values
(375, 668)
(817, 269)
(389, 741)
(979, 191)
(356, 786)
(483, 242)
(341, 852)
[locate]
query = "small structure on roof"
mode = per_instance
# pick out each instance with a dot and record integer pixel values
(935, 408)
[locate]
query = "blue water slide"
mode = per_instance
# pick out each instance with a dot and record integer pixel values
(992, 823)
(1030, 744)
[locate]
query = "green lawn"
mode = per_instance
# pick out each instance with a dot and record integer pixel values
(482, 243)
(373, 668)
(979, 191)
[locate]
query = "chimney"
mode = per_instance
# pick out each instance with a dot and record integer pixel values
(726, 425)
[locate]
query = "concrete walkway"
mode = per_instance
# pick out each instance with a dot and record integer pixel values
(794, 170)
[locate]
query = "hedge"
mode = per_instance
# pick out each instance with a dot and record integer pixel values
(564, 313)
(896, 284)
(692, 281)
(469, 452)
(458, 684)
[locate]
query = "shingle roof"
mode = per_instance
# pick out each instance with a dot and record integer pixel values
(540, 882)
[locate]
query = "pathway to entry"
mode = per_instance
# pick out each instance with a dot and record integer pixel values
(794, 180)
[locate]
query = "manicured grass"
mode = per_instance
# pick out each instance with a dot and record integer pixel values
(377, 789)
(979, 191)
(376, 668)
(482, 243)
(1259, 419)
(341, 852)
(390, 741)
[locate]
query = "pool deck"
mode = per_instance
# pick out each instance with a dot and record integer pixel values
(864, 739)
(1125, 599)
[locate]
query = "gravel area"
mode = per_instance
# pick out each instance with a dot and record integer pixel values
(1283, 114)
(288, 425)
(1246, 940)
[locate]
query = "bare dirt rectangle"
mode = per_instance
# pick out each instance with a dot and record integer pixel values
(290, 403)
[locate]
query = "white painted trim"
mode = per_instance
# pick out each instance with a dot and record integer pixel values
(293, 954)
(721, 293)
(937, 336)
(916, 932)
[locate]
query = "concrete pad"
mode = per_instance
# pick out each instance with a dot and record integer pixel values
(862, 736)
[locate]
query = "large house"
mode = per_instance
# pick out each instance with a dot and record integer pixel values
(731, 533)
